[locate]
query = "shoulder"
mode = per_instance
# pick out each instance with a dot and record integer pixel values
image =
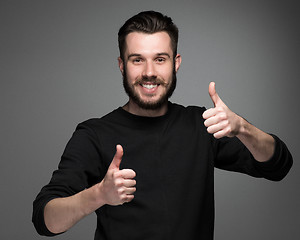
(188, 110)
(98, 122)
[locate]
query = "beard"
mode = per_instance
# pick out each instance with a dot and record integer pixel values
(150, 105)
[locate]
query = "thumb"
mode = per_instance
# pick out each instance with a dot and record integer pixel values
(115, 163)
(213, 94)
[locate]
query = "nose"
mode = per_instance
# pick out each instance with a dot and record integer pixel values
(149, 70)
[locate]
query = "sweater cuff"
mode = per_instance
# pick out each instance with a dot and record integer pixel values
(278, 165)
(39, 220)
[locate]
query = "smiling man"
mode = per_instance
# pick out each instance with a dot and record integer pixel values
(147, 168)
(149, 72)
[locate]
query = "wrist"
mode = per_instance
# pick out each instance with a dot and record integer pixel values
(242, 127)
(100, 194)
(91, 199)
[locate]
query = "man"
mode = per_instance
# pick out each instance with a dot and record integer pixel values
(147, 168)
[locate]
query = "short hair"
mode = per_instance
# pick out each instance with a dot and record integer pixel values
(148, 22)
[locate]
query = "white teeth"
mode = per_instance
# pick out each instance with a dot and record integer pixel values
(149, 86)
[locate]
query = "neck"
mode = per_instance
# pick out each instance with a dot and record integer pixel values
(133, 108)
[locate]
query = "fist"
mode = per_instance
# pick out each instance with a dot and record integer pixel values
(220, 120)
(118, 186)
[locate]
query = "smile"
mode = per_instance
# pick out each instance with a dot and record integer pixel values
(149, 86)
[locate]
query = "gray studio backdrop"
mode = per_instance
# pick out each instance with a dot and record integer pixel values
(59, 67)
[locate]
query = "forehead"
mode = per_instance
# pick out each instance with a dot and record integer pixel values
(143, 43)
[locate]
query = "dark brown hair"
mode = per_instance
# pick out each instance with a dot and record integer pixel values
(148, 22)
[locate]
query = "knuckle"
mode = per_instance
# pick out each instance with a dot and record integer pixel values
(225, 123)
(227, 131)
(129, 198)
(117, 174)
(123, 198)
(110, 173)
(119, 182)
(223, 116)
(114, 174)
(219, 109)
(120, 191)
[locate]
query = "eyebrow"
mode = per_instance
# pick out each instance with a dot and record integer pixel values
(164, 54)
(134, 55)
(139, 55)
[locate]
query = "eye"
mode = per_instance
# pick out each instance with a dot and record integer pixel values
(160, 60)
(137, 60)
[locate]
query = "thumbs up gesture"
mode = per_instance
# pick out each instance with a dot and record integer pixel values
(220, 120)
(118, 186)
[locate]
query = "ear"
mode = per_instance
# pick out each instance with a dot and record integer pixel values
(177, 62)
(121, 65)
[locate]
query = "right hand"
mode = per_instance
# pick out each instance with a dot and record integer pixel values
(118, 185)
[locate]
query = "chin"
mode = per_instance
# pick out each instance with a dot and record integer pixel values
(150, 105)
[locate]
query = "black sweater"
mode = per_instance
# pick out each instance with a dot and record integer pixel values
(174, 159)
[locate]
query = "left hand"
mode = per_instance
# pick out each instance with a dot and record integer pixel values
(220, 120)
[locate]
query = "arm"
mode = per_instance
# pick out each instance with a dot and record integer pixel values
(221, 121)
(117, 187)
(60, 214)
(260, 144)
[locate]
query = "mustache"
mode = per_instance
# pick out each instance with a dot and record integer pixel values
(152, 80)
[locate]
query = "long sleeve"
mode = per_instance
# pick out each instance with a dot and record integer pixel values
(232, 155)
(80, 167)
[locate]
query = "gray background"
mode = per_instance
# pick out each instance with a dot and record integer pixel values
(58, 67)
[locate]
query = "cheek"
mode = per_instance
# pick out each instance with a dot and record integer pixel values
(132, 74)
(166, 73)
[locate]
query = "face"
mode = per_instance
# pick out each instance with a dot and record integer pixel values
(149, 69)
